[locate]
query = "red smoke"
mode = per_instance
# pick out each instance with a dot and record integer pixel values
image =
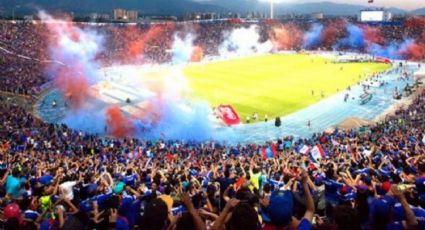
(415, 52)
(286, 37)
(415, 22)
(68, 77)
(197, 54)
(149, 111)
(73, 84)
(373, 35)
(138, 41)
(332, 32)
(329, 36)
(118, 125)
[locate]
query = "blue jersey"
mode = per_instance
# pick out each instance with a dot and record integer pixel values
(31, 215)
(304, 225)
(86, 205)
(276, 185)
(420, 185)
(130, 208)
(331, 189)
(399, 214)
(130, 180)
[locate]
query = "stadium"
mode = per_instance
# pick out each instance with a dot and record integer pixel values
(263, 121)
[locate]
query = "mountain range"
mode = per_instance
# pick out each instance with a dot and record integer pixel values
(180, 7)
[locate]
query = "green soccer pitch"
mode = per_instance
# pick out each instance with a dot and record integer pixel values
(277, 84)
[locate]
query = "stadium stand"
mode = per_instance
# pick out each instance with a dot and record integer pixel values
(53, 177)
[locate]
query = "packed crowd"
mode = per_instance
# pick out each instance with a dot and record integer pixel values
(24, 52)
(52, 177)
(18, 42)
(57, 178)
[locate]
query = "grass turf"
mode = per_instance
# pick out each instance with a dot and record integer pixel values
(276, 84)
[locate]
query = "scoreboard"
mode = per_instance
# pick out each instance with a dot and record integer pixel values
(375, 16)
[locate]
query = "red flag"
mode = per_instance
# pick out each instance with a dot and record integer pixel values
(169, 157)
(263, 153)
(228, 114)
(317, 152)
(239, 183)
(274, 150)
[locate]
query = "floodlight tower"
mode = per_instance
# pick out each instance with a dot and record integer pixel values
(271, 9)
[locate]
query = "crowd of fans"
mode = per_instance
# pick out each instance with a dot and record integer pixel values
(24, 52)
(18, 41)
(57, 178)
(53, 177)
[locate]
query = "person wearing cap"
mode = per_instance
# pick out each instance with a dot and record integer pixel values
(281, 208)
(380, 212)
(346, 195)
(12, 211)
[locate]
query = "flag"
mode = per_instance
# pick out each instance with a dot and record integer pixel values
(239, 183)
(269, 152)
(263, 153)
(335, 143)
(304, 150)
(274, 150)
(169, 157)
(317, 152)
(228, 114)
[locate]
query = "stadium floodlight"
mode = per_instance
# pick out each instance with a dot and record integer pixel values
(271, 9)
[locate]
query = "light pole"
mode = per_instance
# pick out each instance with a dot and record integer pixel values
(271, 9)
(13, 11)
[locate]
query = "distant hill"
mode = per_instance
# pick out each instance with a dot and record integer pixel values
(148, 7)
(328, 8)
(420, 11)
(180, 7)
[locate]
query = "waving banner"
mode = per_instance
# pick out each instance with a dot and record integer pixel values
(228, 114)
(383, 60)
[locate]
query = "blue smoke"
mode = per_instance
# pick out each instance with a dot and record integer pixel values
(76, 48)
(92, 121)
(392, 51)
(355, 39)
(182, 49)
(313, 37)
(179, 121)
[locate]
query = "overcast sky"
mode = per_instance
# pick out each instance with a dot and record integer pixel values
(402, 4)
